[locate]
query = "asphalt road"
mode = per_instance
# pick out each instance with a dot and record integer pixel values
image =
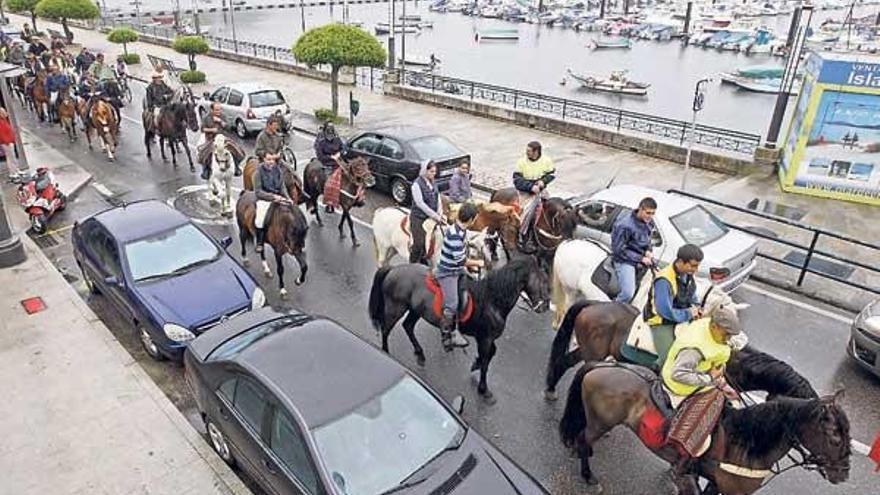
(521, 423)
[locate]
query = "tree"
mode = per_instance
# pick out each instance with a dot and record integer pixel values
(67, 9)
(190, 46)
(28, 6)
(338, 45)
(124, 36)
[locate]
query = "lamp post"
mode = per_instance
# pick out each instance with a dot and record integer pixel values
(391, 57)
(302, 15)
(232, 21)
(11, 250)
(195, 9)
(699, 98)
(137, 10)
(797, 40)
(403, 40)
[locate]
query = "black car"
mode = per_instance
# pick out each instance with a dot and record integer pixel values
(396, 155)
(304, 406)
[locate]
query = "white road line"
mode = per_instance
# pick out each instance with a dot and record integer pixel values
(800, 304)
(101, 188)
(136, 121)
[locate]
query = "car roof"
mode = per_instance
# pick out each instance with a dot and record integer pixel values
(630, 195)
(324, 370)
(404, 133)
(250, 87)
(140, 219)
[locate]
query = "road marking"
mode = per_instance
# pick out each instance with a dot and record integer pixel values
(101, 188)
(54, 231)
(860, 448)
(126, 117)
(800, 304)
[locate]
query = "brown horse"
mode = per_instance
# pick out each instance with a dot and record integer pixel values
(356, 178)
(39, 97)
(67, 114)
(746, 443)
(286, 230)
(102, 119)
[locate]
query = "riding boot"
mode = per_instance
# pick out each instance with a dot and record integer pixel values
(329, 208)
(261, 239)
(449, 334)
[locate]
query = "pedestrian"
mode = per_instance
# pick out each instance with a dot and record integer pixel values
(7, 143)
(460, 183)
(425, 205)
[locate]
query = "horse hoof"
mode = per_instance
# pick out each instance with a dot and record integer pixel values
(267, 273)
(300, 281)
(283, 293)
(475, 366)
(355, 244)
(420, 359)
(551, 396)
(245, 261)
(489, 397)
(593, 481)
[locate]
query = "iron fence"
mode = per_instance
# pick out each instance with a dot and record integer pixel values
(614, 118)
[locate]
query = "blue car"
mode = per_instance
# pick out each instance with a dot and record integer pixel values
(165, 275)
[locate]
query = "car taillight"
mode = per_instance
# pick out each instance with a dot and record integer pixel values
(718, 274)
(250, 115)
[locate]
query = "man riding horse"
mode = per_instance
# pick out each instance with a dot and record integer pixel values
(56, 83)
(533, 174)
(32, 66)
(105, 86)
(631, 247)
(269, 140)
(269, 188)
(158, 94)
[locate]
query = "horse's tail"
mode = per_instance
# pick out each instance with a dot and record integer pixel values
(574, 419)
(562, 339)
(377, 298)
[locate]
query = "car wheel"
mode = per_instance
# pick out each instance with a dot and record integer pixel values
(218, 441)
(149, 344)
(90, 284)
(400, 191)
(240, 129)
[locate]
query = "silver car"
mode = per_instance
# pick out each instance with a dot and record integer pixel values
(245, 106)
(864, 343)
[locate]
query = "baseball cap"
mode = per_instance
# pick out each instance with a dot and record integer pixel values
(726, 318)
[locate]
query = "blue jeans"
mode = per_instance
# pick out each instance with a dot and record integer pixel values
(449, 286)
(626, 276)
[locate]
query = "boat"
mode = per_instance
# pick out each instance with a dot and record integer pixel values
(498, 34)
(419, 61)
(616, 83)
(761, 71)
(767, 85)
(602, 43)
(385, 28)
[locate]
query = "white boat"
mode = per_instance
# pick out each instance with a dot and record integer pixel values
(385, 28)
(616, 83)
(498, 34)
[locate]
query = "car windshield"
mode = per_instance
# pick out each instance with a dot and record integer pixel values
(268, 98)
(170, 253)
(434, 147)
(698, 226)
(401, 430)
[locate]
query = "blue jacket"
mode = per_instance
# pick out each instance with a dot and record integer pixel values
(57, 82)
(675, 310)
(630, 239)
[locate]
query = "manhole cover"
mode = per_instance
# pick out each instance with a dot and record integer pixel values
(195, 202)
(830, 268)
(778, 209)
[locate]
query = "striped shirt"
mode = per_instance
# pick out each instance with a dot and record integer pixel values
(453, 252)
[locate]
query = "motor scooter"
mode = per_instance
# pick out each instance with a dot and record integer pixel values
(41, 197)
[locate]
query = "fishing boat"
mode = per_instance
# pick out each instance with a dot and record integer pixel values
(498, 34)
(603, 43)
(766, 85)
(616, 83)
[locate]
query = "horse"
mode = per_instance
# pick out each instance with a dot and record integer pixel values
(601, 327)
(355, 178)
(222, 171)
(67, 114)
(102, 118)
(401, 290)
(391, 236)
(746, 443)
(171, 125)
(286, 229)
(39, 97)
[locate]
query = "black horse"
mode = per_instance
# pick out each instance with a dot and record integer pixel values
(400, 290)
(174, 119)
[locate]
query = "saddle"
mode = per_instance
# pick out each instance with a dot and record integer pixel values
(465, 301)
(646, 345)
(605, 278)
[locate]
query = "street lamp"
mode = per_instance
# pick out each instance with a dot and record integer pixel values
(137, 10)
(391, 40)
(302, 15)
(797, 37)
(699, 99)
(11, 250)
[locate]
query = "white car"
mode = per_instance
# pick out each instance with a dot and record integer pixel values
(729, 254)
(245, 107)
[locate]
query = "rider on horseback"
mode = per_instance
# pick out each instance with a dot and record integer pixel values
(631, 247)
(426, 204)
(533, 174)
(453, 261)
(104, 76)
(269, 188)
(55, 84)
(158, 95)
(84, 61)
(59, 59)
(32, 67)
(269, 141)
(16, 53)
(327, 144)
(674, 294)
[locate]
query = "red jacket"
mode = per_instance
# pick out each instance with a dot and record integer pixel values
(7, 136)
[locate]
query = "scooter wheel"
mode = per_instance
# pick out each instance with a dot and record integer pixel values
(38, 223)
(63, 204)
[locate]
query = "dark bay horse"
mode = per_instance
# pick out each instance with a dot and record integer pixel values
(746, 443)
(286, 230)
(173, 121)
(67, 114)
(39, 97)
(356, 178)
(400, 290)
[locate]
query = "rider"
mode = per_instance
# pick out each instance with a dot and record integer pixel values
(328, 144)
(212, 124)
(269, 140)
(84, 61)
(58, 59)
(37, 47)
(101, 70)
(158, 94)
(631, 247)
(16, 53)
(533, 174)
(674, 294)
(32, 67)
(426, 204)
(453, 261)
(55, 84)
(121, 69)
(86, 87)
(103, 74)
(269, 188)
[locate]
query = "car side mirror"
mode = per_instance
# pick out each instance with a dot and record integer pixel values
(458, 404)
(226, 242)
(339, 480)
(112, 280)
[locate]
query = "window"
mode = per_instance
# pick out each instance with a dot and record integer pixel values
(227, 389)
(268, 98)
(287, 443)
(250, 403)
(220, 95)
(170, 253)
(390, 149)
(434, 148)
(103, 247)
(599, 215)
(367, 144)
(235, 98)
(698, 226)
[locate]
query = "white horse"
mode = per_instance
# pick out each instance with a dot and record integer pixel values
(222, 171)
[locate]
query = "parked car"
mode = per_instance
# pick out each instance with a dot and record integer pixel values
(730, 255)
(165, 275)
(396, 155)
(278, 402)
(245, 106)
(864, 342)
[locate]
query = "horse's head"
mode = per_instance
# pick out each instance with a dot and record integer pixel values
(712, 298)
(359, 168)
(475, 242)
(537, 288)
(825, 434)
(562, 217)
(220, 146)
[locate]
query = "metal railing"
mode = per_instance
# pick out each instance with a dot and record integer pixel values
(615, 119)
(811, 252)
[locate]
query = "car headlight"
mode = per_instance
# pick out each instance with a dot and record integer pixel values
(871, 324)
(177, 333)
(258, 299)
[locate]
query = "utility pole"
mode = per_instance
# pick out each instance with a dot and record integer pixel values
(601, 9)
(232, 20)
(137, 10)
(196, 17)
(797, 38)
(302, 15)
(699, 99)
(403, 41)
(391, 56)
(11, 249)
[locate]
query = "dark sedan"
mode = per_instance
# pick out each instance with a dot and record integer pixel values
(306, 407)
(165, 275)
(396, 155)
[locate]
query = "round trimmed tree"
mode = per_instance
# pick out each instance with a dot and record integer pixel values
(62, 10)
(338, 45)
(123, 36)
(29, 6)
(190, 46)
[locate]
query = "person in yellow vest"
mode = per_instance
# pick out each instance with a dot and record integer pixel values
(534, 172)
(697, 358)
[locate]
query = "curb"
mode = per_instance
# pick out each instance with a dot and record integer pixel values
(842, 304)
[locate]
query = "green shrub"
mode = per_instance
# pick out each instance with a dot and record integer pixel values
(192, 77)
(190, 46)
(123, 36)
(328, 115)
(131, 58)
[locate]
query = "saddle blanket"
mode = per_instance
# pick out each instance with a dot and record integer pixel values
(262, 213)
(332, 187)
(692, 425)
(437, 306)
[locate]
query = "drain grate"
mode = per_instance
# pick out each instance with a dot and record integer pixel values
(778, 209)
(829, 268)
(45, 241)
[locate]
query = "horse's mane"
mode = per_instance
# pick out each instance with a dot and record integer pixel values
(502, 285)
(567, 217)
(758, 370)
